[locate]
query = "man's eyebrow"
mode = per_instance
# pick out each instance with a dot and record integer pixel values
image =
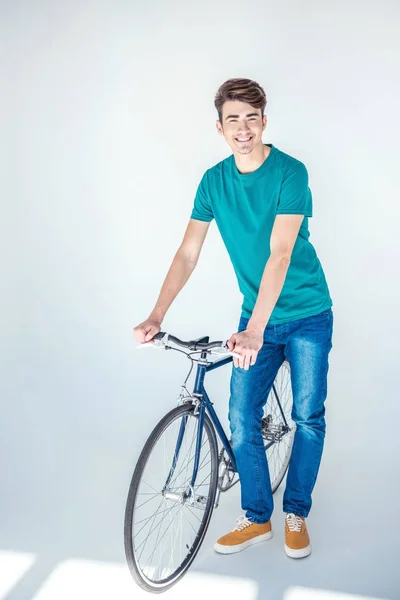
(237, 116)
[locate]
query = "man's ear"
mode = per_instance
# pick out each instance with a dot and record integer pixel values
(219, 128)
(264, 121)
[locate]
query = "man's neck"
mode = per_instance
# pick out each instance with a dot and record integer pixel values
(247, 163)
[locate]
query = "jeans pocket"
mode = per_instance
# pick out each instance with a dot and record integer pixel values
(324, 316)
(242, 324)
(324, 313)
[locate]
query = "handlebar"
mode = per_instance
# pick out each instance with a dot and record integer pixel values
(191, 345)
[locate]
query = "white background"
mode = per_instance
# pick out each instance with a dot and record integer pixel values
(109, 124)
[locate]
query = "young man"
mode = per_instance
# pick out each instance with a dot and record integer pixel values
(261, 202)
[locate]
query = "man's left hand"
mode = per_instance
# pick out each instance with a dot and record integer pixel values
(248, 344)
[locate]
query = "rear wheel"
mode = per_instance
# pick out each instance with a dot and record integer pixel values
(166, 518)
(278, 428)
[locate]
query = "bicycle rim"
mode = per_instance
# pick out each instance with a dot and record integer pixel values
(165, 525)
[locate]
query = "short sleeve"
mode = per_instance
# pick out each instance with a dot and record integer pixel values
(202, 209)
(295, 196)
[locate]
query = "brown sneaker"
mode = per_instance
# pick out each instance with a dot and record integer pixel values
(245, 533)
(297, 542)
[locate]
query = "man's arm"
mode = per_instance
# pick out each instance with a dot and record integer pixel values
(179, 272)
(182, 266)
(248, 343)
(283, 238)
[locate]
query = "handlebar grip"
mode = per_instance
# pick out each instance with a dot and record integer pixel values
(159, 335)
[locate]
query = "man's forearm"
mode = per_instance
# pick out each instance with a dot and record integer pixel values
(270, 288)
(178, 274)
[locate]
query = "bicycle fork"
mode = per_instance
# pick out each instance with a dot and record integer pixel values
(188, 494)
(198, 410)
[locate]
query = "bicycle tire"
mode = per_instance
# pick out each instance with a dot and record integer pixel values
(171, 416)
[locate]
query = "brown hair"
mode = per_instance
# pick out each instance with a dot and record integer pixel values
(244, 90)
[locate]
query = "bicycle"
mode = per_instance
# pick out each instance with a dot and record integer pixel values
(183, 485)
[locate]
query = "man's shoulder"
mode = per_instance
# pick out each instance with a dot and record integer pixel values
(289, 162)
(213, 173)
(220, 166)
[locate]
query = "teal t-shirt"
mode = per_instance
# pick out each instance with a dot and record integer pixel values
(244, 207)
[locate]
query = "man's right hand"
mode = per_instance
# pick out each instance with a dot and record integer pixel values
(146, 330)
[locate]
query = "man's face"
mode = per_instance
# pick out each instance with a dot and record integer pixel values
(242, 126)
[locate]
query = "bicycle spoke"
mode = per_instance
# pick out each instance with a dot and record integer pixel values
(279, 407)
(192, 459)
(148, 518)
(176, 537)
(153, 529)
(161, 546)
(146, 501)
(150, 486)
(181, 506)
(202, 481)
(188, 452)
(195, 532)
(172, 552)
(156, 546)
(184, 484)
(204, 458)
(190, 510)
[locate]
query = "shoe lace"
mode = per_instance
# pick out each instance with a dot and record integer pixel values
(294, 522)
(242, 522)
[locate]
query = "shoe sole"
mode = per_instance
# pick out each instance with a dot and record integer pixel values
(301, 553)
(239, 547)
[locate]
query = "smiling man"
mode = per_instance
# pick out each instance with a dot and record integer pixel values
(261, 201)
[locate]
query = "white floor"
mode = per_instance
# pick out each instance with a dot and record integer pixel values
(354, 552)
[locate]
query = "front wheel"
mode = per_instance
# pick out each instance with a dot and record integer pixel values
(166, 518)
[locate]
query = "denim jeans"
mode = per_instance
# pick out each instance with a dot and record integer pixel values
(305, 343)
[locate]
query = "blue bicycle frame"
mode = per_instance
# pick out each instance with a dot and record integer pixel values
(206, 404)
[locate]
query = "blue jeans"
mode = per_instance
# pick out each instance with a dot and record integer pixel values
(305, 343)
